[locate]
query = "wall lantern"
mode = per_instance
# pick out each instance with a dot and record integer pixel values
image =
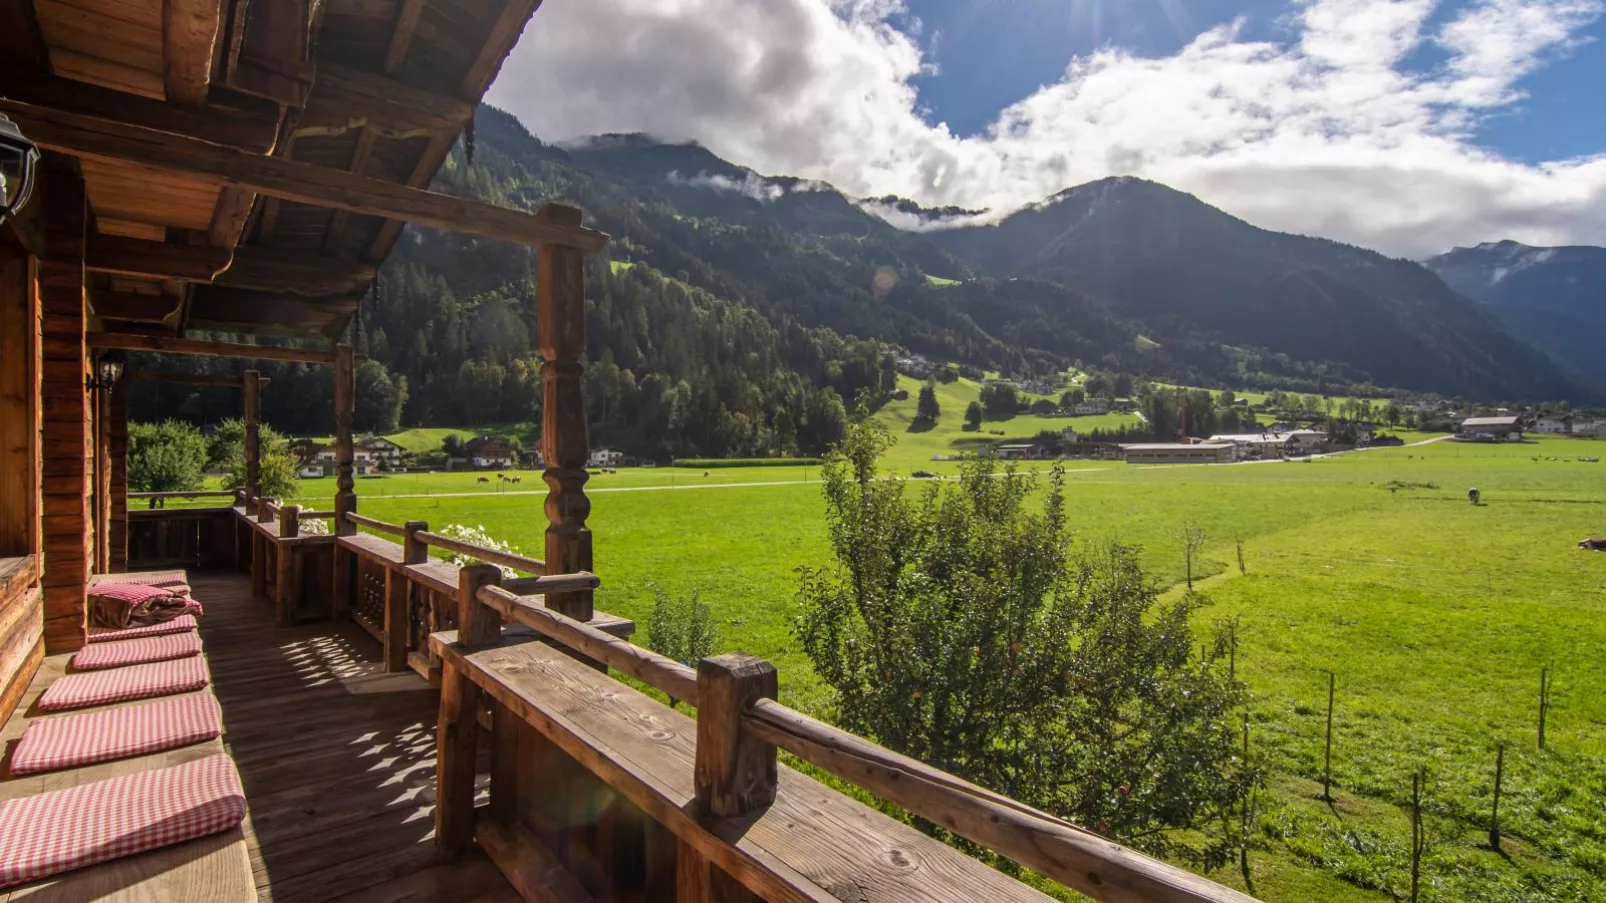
(108, 371)
(19, 158)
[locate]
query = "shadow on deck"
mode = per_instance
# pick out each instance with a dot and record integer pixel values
(337, 758)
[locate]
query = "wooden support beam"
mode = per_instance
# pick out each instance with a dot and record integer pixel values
(401, 35)
(134, 306)
(226, 309)
(334, 240)
(251, 127)
(290, 180)
(561, 331)
(117, 490)
(251, 383)
(262, 269)
(189, 28)
(19, 404)
(197, 379)
(344, 99)
(345, 452)
(166, 345)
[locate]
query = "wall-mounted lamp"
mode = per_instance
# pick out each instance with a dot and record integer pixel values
(18, 161)
(107, 373)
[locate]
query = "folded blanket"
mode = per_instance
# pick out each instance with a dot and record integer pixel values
(120, 605)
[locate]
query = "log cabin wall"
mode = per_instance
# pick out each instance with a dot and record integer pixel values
(21, 608)
(68, 466)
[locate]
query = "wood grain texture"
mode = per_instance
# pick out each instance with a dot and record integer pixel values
(19, 403)
(456, 744)
(166, 345)
(189, 28)
(102, 139)
(735, 771)
(812, 843)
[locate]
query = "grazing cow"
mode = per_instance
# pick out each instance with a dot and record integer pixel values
(1473, 495)
(483, 480)
(1593, 544)
(517, 479)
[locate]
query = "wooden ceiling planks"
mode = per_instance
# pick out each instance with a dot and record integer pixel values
(123, 191)
(127, 56)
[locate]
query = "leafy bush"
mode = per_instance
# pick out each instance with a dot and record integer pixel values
(165, 457)
(708, 463)
(681, 629)
(277, 465)
(959, 628)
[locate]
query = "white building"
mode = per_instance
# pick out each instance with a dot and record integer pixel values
(605, 457)
(1496, 429)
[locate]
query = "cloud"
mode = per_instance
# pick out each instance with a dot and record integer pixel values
(751, 185)
(1328, 133)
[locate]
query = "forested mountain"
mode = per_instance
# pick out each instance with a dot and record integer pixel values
(1553, 297)
(1164, 258)
(739, 314)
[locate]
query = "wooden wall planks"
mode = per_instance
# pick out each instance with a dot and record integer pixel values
(68, 543)
(19, 407)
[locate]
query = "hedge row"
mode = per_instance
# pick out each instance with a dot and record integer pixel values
(745, 462)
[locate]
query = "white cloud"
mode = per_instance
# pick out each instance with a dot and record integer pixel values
(751, 185)
(1327, 133)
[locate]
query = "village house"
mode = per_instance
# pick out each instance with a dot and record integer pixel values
(1179, 453)
(605, 457)
(1554, 423)
(314, 459)
(1097, 405)
(1490, 429)
(484, 452)
(384, 451)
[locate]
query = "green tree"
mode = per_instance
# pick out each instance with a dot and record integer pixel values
(926, 408)
(165, 457)
(379, 399)
(973, 416)
(958, 627)
(277, 464)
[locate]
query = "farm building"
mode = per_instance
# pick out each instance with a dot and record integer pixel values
(490, 451)
(346, 714)
(1179, 453)
(605, 457)
(381, 449)
(1259, 446)
(1500, 429)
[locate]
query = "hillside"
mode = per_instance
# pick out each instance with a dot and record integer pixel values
(1166, 259)
(1553, 297)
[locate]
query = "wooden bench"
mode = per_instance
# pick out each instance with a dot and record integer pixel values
(208, 868)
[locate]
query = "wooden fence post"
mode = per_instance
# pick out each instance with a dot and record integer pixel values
(259, 555)
(398, 598)
(284, 590)
(735, 773)
(561, 331)
(477, 624)
(457, 733)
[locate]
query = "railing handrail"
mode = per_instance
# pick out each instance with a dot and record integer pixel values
(490, 556)
(316, 514)
(1058, 849)
(662, 672)
(374, 524)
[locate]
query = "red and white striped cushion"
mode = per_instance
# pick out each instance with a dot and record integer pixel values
(97, 656)
(175, 582)
(68, 829)
(180, 624)
(71, 741)
(77, 691)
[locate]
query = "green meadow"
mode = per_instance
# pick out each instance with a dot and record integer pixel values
(1434, 615)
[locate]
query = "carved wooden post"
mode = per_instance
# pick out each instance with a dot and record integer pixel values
(561, 328)
(415, 550)
(284, 590)
(259, 551)
(251, 386)
(345, 404)
(457, 734)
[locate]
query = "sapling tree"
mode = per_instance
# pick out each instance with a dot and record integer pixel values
(960, 625)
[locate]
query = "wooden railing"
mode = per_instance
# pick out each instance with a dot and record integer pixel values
(400, 595)
(180, 538)
(287, 565)
(703, 805)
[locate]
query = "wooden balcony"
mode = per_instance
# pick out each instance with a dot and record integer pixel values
(453, 737)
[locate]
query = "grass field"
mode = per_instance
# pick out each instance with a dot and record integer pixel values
(1436, 617)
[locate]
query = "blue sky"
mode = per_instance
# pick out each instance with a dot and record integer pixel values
(989, 54)
(1409, 126)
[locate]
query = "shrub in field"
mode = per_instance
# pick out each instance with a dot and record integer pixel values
(746, 462)
(959, 627)
(681, 629)
(165, 457)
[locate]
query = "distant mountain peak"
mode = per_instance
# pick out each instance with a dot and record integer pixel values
(624, 140)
